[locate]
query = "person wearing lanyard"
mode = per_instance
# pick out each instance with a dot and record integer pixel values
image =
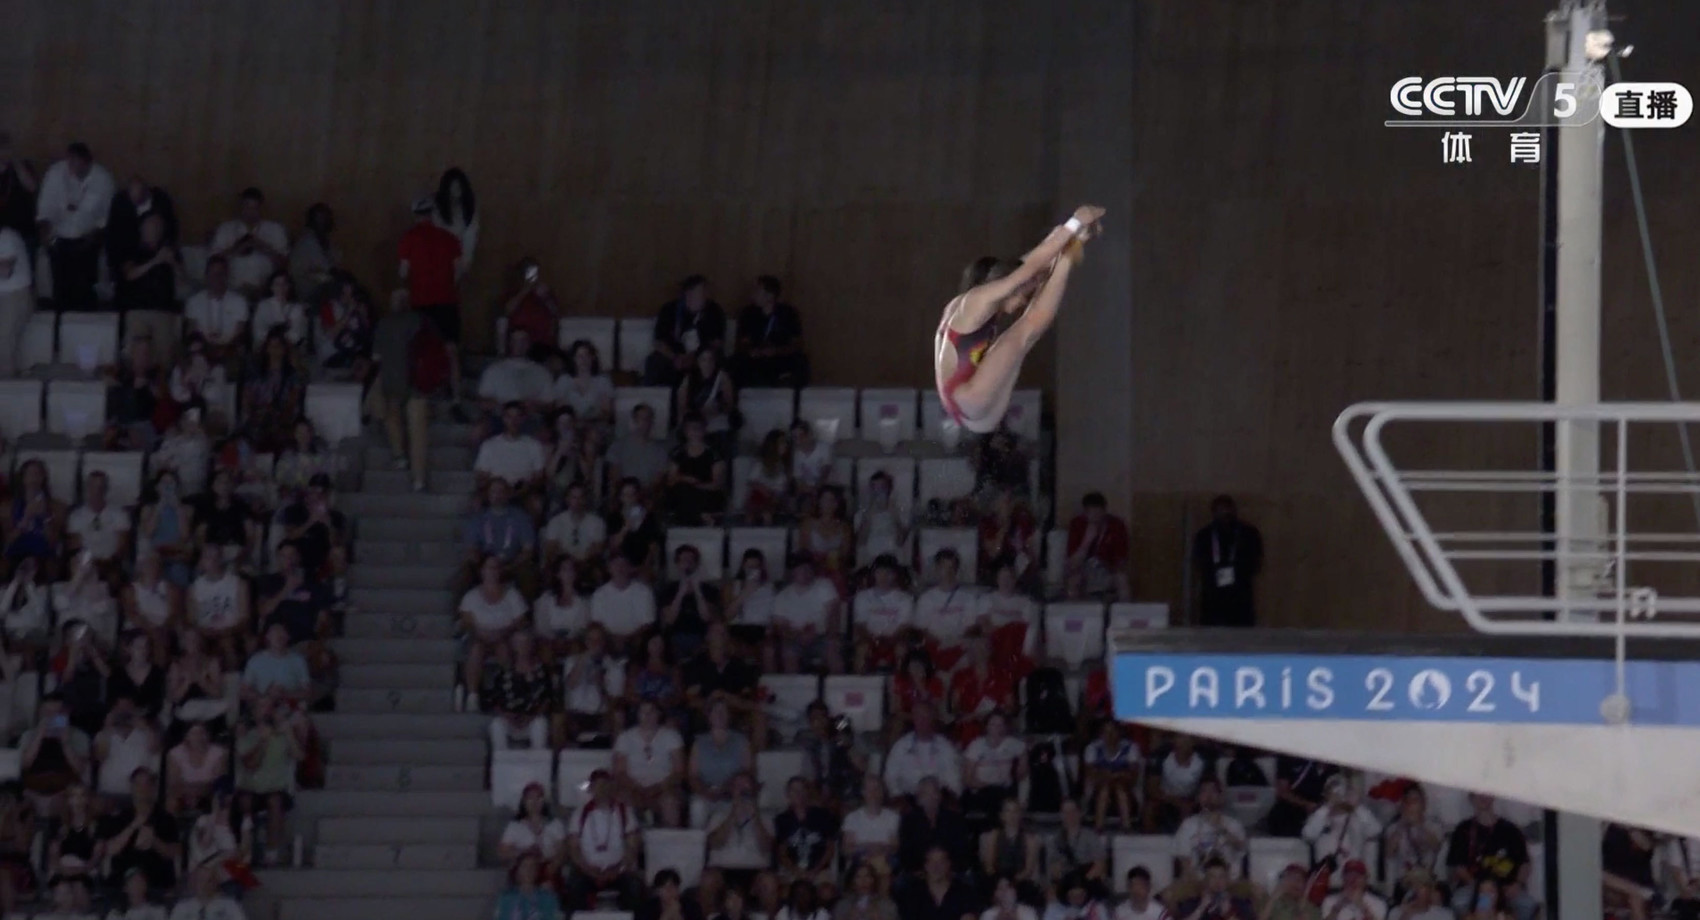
(71, 211)
(504, 531)
(1228, 555)
(770, 341)
(603, 849)
(690, 322)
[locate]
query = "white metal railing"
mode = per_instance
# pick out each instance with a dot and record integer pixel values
(1613, 557)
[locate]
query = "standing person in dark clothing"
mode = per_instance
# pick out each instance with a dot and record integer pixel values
(1299, 787)
(683, 325)
(130, 207)
(770, 341)
(18, 187)
(1228, 556)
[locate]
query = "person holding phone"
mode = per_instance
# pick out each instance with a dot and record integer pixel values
(55, 754)
(533, 307)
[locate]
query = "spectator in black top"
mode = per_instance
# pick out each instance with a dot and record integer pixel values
(937, 895)
(19, 185)
(1000, 466)
(1215, 902)
(716, 674)
(1299, 787)
(770, 341)
(142, 834)
(928, 826)
(682, 326)
(136, 203)
(148, 275)
(1626, 858)
(807, 836)
(696, 477)
(134, 389)
(294, 597)
(521, 691)
(635, 531)
(838, 762)
(1488, 847)
(1227, 554)
(224, 520)
(319, 530)
(688, 603)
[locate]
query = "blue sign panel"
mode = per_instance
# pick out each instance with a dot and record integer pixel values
(1410, 689)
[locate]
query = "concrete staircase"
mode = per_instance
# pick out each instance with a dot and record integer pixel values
(396, 830)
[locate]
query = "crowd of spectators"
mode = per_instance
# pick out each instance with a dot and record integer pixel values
(162, 652)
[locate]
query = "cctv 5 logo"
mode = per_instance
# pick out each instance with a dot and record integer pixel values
(1443, 96)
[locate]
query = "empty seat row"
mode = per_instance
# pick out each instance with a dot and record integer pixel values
(887, 417)
(74, 408)
(85, 340)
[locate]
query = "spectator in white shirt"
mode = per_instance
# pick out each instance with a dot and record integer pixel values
(101, 528)
(811, 460)
(561, 612)
(883, 525)
(921, 753)
(1354, 900)
(740, 838)
(208, 901)
(589, 680)
(945, 611)
(1179, 774)
(649, 763)
(807, 620)
(255, 247)
(577, 533)
(1680, 857)
(515, 458)
(1342, 828)
(869, 833)
(17, 297)
(624, 606)
(489, 613)
(992, 766)
(1210, 834)
(515, 378)
(218, 314)
(603, 847)
(282, 310)
(1412, 842)
(882, 615)
(70, 212)
(534, 830)
(585, 388)
(1423, 901)
(1139, 904)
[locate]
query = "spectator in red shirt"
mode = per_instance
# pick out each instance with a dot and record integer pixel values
(1009, 536)
(1097, 551)
(917, 682)
(430, 265)
(533, 308)
(978, 690)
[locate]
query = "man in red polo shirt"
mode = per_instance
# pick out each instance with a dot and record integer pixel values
(1097, 551)
(430, 265)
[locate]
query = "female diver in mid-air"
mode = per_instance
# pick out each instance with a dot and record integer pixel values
(975, 362)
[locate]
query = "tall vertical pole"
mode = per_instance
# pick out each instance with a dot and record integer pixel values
(1579, 514)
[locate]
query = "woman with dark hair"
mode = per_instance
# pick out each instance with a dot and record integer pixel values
(667, 900)
(525, 898)
(974, 362)
(35, 523)
(825, 535)
(457, 212)
(280, 311)
(707, 390)
(585, 388)
(767, 483)
(696, 477)
(272, 395)
(803, 903)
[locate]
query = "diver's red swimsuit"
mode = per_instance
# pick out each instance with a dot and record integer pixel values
(970, 348)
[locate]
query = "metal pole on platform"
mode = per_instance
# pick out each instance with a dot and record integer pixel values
(1579, 513)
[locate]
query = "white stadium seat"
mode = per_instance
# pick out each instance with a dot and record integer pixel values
(1074, 631)
(35, 343)
(936, 426)
(774, 769)
(888, 416)
(572, 772)
(1450, 805)
(861, 697)
(1155, 852)
(965, 541)
(123, 471)
(637, 340)
(789, 696)
(832, 410)
(946, 479)
(658, 399)
(1269, 855)
(62, 472)
(597, 330)
(76, 408)
(195, 263)
(1131, 615)
(902, 473)
(10, 764)
(334, 410)
(512, 771)
(711, 546)
(88, 340)
(764, 410)
(772, 542)
(1023, 415)
(20, 407)
(683, 851)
